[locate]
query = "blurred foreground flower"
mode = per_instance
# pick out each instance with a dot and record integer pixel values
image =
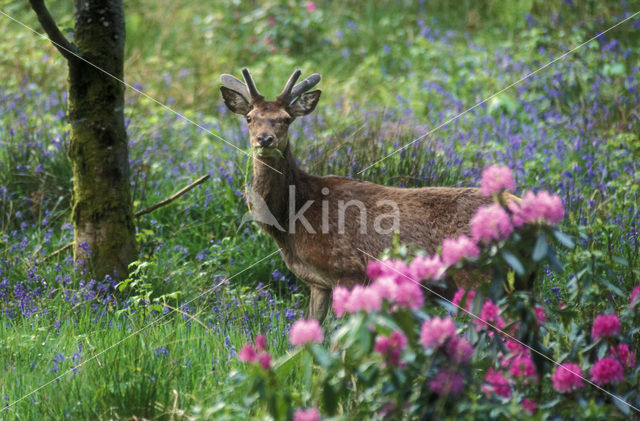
(257, 353)
(495, 179)
(311, 414)
(305, 331)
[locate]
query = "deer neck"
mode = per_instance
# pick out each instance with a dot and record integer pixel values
(272, 178)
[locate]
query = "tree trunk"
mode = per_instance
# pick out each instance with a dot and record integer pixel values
(102, 209)
(102, 212)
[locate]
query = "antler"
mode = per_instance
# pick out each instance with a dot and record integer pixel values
(253, 91)
(305, 85)
(290, 92)
(248, 90)
(285, 96)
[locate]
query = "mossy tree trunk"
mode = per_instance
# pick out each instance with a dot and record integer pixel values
(102, 212)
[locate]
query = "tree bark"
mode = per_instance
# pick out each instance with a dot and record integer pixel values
(102, 212)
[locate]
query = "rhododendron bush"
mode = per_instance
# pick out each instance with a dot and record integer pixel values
(399, 350)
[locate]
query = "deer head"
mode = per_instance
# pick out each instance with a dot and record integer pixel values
(269, 121)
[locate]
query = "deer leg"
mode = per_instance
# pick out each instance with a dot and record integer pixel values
(319, 303)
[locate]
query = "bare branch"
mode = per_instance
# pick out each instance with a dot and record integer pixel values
(57, 252)
(66, 48)
(173, 197)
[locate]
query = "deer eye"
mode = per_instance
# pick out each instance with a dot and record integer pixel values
(248, 119)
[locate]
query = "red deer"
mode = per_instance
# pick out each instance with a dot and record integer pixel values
(320, 222)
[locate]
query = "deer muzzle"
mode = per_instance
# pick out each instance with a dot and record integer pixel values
(265, 140)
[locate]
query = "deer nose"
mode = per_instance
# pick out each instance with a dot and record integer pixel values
(265, 140)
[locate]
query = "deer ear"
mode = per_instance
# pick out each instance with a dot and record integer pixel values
(235, 101)
(305, 103)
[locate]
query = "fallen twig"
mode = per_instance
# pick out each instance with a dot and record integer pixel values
(57, 252)
(173, 197)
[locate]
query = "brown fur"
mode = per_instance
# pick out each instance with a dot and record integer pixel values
(325, 260)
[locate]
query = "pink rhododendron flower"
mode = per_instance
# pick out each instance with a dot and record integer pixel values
(311, 414)
(247, 354)
(436, 331)
(540, 314)
(496, 383)
(552, 209)
(459, 350)
(256, 353)
(447, 382)
(634, 297)
(426, 268)
(527, 211)
(395, 281)
(490, 313)
(376, 269)
(605, 325)
(607, 370)
(537, 207)
(395, 269)
(265, 360)
(522, 366)
(459, 295)
(529, 405)
(409, 294)
(387, 288)
(261, 343)
(391, 346)
(305, 331)
(516, 348)
(490, 223)
(364, 298)
(496, 178)
(271, 21)
(454, 250)
(567, 377)
(340, 300)
(624, 355)
(310, 6)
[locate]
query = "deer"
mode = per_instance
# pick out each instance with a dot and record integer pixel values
(328, 227)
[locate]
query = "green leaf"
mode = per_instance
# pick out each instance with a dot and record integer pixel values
(156, 307)
(284, 366)
(564, 239)
(621, 405)
(322, 356)
(365, 339)
(329, 399)
(602, 350)
(496, 289)
(513, 261)
(540, 249)
(611, 287)
(307, 370)
(556, 265)
(621, 260)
